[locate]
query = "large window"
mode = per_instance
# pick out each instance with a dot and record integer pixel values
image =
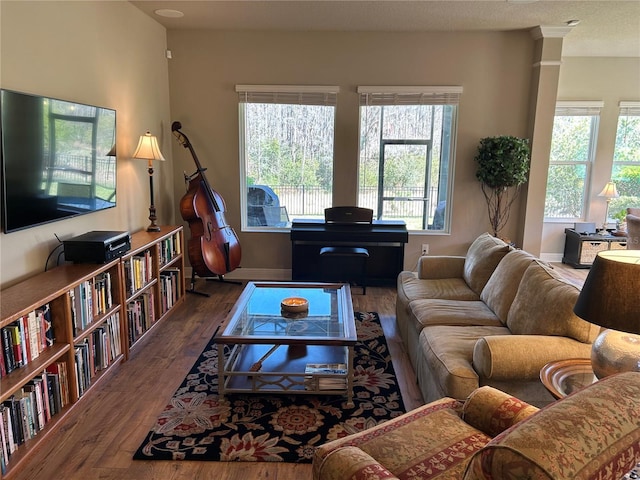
(573, 144)
(626, 160)
(407, 138)
(286, 152)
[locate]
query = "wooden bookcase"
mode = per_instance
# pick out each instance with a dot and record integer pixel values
(153, 279)
(87, 306)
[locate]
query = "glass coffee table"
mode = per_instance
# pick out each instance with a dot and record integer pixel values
(274, 351)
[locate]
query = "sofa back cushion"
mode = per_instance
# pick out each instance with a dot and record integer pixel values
(594, 433)
(544, 306)
(481, 260)
(502, 286)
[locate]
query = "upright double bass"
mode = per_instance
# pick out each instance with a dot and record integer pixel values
(213, 248)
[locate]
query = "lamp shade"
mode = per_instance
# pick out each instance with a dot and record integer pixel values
(609, 297)
(609, 191)
(148, 148)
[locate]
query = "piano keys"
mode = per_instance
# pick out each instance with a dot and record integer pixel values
(384, 239)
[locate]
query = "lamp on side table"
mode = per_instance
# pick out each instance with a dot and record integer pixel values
(609, 298)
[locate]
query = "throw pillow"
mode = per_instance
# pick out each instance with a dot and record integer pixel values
(481, 260)
(544, 306)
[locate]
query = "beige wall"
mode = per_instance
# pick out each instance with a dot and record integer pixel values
(493, 68)
(610, 80)
(101, 53)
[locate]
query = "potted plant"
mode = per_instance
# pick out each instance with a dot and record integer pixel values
(503, 165)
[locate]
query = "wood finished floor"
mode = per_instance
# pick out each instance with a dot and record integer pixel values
(98, 438)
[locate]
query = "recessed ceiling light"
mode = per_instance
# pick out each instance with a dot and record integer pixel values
(166, 12)
(572, 23)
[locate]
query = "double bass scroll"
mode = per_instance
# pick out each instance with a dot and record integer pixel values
(214, 248)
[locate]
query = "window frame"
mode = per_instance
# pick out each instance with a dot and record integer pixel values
(446, 96)
(578, 109)
(319, 95)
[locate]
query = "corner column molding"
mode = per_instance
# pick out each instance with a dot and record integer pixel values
(545, 73)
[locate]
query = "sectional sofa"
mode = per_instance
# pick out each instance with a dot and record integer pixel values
(493, 317)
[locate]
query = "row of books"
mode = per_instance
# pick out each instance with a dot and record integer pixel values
(138, 271)
(25, 339)
(140, 316)
(169, 288)
(169, 248)
(89, 300)
(325, 376)
(97, 352)
(27, 412)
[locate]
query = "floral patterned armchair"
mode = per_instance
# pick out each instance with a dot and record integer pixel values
(593, 433)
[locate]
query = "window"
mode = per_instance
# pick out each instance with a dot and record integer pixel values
(407, 140)
(626, 160)
(286, 152)
(573, 144)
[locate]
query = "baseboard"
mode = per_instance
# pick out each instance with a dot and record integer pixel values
(249, 274)
(551, 257)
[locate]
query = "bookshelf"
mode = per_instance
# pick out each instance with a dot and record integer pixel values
(153, 279)
(67, 328)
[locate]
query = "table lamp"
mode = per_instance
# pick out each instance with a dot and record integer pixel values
(609, 191)
(609, 298)
(148, 149)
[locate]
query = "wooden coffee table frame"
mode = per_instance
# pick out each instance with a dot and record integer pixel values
(283, 371)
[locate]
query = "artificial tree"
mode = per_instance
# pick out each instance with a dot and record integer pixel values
(503, 164)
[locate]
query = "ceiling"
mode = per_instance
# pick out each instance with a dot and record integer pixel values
(607, 27)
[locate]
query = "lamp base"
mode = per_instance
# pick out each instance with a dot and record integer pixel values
(615, 352)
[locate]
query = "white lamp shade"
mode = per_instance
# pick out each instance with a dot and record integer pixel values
(609, 191)
(148, 148)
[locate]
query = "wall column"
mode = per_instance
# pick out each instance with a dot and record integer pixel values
(543, 94)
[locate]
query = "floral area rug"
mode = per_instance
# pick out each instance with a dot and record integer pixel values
(195, 425)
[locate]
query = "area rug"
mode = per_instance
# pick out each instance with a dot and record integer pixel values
(195, 425)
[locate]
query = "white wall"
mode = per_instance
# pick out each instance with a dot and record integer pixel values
(494, 70)
(100, 53)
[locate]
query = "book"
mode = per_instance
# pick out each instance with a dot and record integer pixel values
(325, 376)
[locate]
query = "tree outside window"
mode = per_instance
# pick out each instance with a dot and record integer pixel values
(287, 136)
(573, 140)
(406, 154)
(626, 160)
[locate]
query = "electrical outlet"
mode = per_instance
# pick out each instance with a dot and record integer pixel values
(425, 249)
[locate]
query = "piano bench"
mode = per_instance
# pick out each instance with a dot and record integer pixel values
(340, 253)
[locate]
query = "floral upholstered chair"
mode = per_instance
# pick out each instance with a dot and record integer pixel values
(593, 433)
(633, 228)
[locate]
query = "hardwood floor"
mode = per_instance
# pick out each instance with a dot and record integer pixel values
(98, 438)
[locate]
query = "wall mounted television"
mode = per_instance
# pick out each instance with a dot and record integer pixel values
(58, 159)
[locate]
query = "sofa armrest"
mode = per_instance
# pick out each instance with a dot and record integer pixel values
(593, 433)
(493, 411)
(350, 462)
(520, 357)
(440, 266)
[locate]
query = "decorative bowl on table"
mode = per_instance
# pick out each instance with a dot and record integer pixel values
(294, 305)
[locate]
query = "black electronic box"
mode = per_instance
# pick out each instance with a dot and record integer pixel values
(97, 247)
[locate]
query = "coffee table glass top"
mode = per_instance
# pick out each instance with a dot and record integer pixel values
(257, 315)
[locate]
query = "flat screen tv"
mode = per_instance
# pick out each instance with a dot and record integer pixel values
(58, 159)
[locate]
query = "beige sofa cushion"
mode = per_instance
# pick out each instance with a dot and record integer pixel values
(448, 352)
(503, 284)
(414, 288)
(481, 260)
(452, 312)
(544, 306)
